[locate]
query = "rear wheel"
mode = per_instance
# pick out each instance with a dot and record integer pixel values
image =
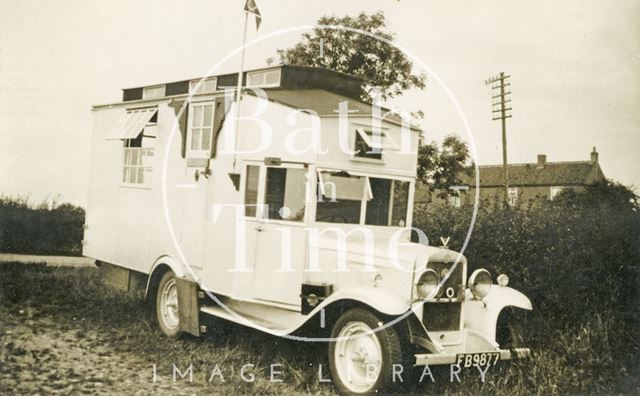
(167, 305)
(361, 360)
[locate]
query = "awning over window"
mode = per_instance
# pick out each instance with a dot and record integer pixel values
(379, 141)
(342, 185)
(131, 123)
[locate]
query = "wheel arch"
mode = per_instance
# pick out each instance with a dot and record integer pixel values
(380, 300)
(158, 269)
(386, 305)
(482, 315)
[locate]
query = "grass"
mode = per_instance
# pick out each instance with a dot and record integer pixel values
(595, 357)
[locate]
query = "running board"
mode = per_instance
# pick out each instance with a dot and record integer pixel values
(271, 320)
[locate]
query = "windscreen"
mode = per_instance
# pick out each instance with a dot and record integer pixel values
(343, 197)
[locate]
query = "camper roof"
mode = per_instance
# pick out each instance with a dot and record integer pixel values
(281, 76)
(325, 103)
(301, 87)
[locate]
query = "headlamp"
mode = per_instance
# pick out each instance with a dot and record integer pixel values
(480, 283)
(427, 284)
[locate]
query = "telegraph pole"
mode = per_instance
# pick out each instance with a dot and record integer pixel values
(500, 112)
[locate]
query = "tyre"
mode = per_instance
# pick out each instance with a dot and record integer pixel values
(167, 305)
(362, 361)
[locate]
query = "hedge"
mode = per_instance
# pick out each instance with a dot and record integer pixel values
(45, 229)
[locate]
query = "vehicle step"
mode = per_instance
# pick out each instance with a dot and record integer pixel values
(268, 319)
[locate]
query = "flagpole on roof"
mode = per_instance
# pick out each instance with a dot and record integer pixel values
(239, 92)
(250, 7)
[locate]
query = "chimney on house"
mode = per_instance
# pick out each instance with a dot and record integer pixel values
(594, 156)
(542, 159)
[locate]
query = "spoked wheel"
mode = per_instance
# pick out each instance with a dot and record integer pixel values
(362, 360)
(167, 305)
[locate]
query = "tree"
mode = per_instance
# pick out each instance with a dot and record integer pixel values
(441, 167)
(378, 63)
(600, 195)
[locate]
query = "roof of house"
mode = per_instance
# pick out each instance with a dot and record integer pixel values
(549, 174)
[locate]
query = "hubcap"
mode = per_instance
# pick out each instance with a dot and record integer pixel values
(169, 305)
(358, 356)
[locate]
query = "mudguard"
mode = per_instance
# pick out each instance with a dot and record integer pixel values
(482, 315)
(170, 262)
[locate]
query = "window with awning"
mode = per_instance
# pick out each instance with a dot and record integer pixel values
(136, 129)
(371, 145)
(342, 185)
(353, 198)
(131, 124)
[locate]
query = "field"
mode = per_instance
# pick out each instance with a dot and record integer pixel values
(62, 331)
(576, 257)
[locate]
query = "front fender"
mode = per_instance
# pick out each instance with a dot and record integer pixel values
(381, 300)
(482, 315)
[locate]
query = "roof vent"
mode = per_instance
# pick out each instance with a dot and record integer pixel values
(542, 160)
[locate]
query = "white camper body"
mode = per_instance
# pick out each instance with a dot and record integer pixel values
(171, 163)
(136, 226)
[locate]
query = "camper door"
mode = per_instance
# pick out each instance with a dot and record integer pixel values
(277, 225)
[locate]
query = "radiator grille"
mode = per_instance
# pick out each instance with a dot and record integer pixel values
(443, 316)
(455, 278)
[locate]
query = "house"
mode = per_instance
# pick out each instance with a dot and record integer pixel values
(526, 181)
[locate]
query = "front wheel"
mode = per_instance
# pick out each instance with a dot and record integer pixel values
(167, 305)
(361, 359)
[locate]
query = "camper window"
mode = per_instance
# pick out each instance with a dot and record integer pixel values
(367, 145)
(137, 162)
(388, 207)
(285, 193)
(343, 196)
(340, 197)
(200, 128)
(200, 87)
(264, 78)
(251, 190)
(138, 155)
(156, 91)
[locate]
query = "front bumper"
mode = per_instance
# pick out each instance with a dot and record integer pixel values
(434, 359)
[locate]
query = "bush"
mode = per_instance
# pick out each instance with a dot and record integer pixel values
(47, 229)
(576, 257)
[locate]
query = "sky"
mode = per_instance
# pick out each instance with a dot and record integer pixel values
(575, 68)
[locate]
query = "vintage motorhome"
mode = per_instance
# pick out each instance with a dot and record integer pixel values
(287, 212)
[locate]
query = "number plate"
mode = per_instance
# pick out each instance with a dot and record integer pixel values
(466, 360)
